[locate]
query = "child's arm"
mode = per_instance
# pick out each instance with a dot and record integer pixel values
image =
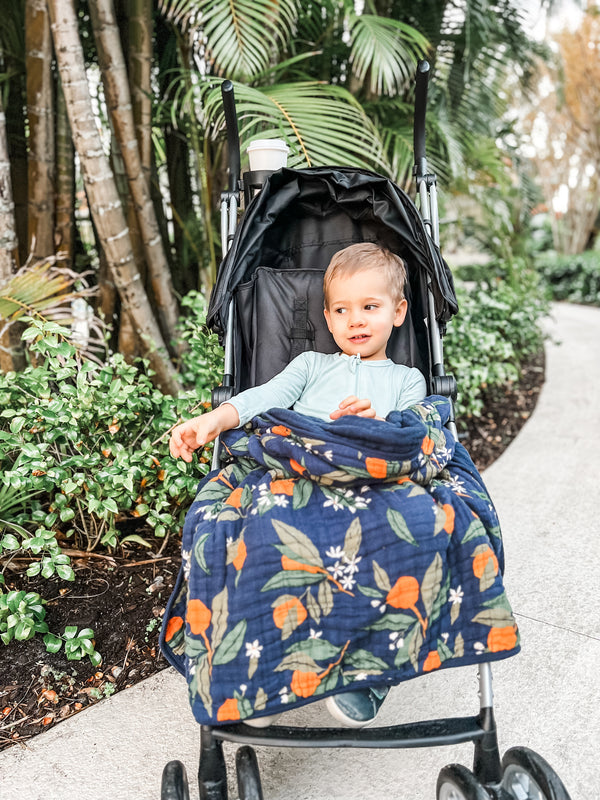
(196, 432)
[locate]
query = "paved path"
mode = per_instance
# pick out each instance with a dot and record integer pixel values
(545, 487)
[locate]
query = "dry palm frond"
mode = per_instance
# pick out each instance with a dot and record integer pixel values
(46, 291)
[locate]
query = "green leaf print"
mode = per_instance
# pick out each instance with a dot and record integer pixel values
(474, 531)
(392, 622)
(219, 618)
(303, 490)
(325, 597)
(353, 539)
(381, 577)
(291, 577)
(313, 608)
(495, 618)
(231, 644)
(363, 659)
(297, 661)
(260, 701)
(432, 581)
(399, 526)
(202, 687)
(319, 649)
(199, 553)
(297, 541)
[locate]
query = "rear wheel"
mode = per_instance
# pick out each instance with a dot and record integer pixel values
(248, 774)
(174, 782)
(527, 776)
(456, 782)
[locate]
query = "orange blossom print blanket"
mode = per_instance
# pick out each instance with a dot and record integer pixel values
(323, 557)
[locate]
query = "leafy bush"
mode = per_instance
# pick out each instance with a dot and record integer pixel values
(497, 327)
(201, 363)
(84, 446)
(574, 278)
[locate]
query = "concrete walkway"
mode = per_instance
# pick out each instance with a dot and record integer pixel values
(545, 487)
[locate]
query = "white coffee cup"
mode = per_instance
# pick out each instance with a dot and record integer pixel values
(267, 154)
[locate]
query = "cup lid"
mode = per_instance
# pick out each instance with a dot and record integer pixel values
(268, 144)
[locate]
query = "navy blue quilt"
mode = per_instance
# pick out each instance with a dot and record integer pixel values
(323, 557)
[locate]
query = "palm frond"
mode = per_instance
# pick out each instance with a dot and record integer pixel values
(51, 293)
(322, 124)
(239, 36)
(387, 50)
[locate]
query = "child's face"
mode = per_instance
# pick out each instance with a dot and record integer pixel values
(361, 314)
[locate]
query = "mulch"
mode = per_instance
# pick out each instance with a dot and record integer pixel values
(123, 596)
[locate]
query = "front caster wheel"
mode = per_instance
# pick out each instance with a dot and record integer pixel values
(456, 782)
(248, 774)
(527, 776)
(174, 782)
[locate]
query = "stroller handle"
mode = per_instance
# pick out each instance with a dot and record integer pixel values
(422, 81)
(233, 139)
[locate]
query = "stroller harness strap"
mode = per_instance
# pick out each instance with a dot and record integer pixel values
(302, 334)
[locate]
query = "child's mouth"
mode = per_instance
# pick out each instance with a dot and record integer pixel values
(363, 337)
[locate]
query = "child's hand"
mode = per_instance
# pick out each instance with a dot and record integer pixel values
(353, 406)
(197, 432)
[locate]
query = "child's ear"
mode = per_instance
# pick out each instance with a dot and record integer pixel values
(401, 313)
(327, 318)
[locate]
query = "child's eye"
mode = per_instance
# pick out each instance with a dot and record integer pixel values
(370, 306)
(340, 310)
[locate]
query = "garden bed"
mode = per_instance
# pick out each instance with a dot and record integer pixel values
(123, 598)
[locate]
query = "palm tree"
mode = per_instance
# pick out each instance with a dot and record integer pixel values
(102, 192)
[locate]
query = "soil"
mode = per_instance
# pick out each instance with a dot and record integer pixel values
(122, 597)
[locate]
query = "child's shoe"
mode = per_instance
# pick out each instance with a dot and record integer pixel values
(261, 722)
(357, 708)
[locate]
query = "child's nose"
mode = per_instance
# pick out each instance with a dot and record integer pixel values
(356, 319)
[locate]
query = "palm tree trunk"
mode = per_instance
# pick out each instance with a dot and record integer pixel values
(8, 233)
(8, 239)
(140, 66)
(116, 87)
(40, 112)
(102, 192)
(65, 183)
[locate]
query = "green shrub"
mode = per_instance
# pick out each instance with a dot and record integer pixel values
(85, 446)
(496, 329)
(575, 278)
(201, 363)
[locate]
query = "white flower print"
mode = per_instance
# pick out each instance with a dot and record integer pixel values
(348, 582)
(335, 552)
(351, 564)
(456, 595)
(380, 604)
(335, 502)
(337, 570)
(315, 634)
(253, 649)
(284, 692)
(396, 641)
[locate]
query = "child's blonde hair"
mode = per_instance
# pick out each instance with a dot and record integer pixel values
(367, 255)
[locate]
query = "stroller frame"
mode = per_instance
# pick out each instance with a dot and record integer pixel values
(486, 780)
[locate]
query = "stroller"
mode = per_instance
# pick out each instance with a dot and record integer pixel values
(294, 222)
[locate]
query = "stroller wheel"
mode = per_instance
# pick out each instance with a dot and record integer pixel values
(456, 782)
(174, 782)
(527, 776)
(248, 774)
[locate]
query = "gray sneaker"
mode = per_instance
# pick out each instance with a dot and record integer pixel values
(356, 709)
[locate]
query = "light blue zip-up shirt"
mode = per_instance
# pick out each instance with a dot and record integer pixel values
(316, 383)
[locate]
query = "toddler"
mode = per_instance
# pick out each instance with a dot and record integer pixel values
(364, 298)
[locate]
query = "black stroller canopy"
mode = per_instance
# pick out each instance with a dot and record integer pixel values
(302, 217)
